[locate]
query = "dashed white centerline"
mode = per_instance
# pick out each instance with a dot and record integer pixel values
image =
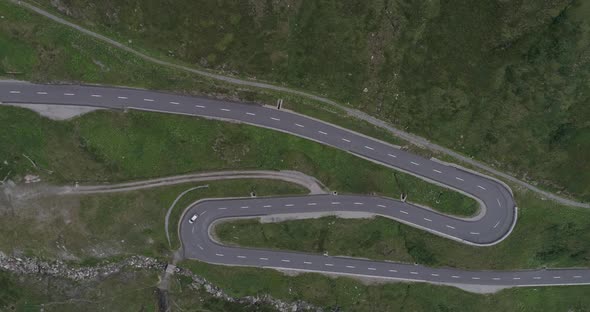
(345, 140)
(499, 203)
(264, 259)
(455, 276)
(322, 132)
(459, 179)
(267, 206)
(300, 126)
(429, 220)
(289, 205)
(481, 187)
(391, 155)
(69, 94)
(285, 260)
(122, 97)
(174, 103)
(496, 225)
(311, 204)
(359, 203)
(242, 257)
(251, 114)
(556, 277)
(434, 274)
(414, 163)
(41, 93)
(404, 212)
(537, 277)
(275, 119)
(414, 273)
(329, 264)
(222, 208)
(350, 266)
(244, 207)
(200, 247)
(475, 278)
(369, 148)
(496, 278)
(225, 109)
(199, 106)
(474, 233)
(306, 262)
(96, 95)
(148, 100)
(450, 226)
(437, 171)
(382, 206)
(372, 269)
(335, 203)
(577, 276)
(219, 255)
(516, 278)
(15, 92)
(392, 271)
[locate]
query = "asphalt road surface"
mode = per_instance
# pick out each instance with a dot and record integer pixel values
(495, 222)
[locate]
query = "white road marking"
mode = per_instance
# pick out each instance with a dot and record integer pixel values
(516, 278)
(204, 212)
(372, 269)
(242, 257)
(222, 208)
(148, 100)
(577, 276)
(450, 227)
(437, 171)
(96, 95)
(122, 97)
(329, 264)
(474, 233)
(382, 206)
(537, 277)
(498, 200)
(301, 126)
(335, 203)
(244, 207)
(199, 106)
(306, 262)
(475, 278)
(391, 155)
(481, 187)
(434, 274)
(496, 225)
(267, 206)
(369, 148)
(275, 119)
(350, 266)
(174, 103)
(413, 272)
(251, 114)
(311, 204)
(359, 203)
(15, 92)
(392, 271)
(556, 277)
(69, 94)
(455, 276)
(322, 132)
(496, 278)
(265, 259)
(459, 179)
(345, 140)
(285, 260)
(42, 93)
(415, 163)
(429, 220)
(219, 255)
(289, 205)
(404, 212)
(200, 247)
(225, 109)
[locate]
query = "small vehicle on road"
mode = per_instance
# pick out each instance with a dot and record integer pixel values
(193, 218)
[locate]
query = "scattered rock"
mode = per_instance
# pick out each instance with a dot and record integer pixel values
(29, 178)
(366, 90)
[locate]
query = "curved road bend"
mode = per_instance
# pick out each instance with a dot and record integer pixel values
(493, 225)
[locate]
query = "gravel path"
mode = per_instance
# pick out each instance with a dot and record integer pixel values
(414, 139)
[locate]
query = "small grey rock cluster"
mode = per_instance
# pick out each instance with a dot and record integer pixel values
(215, 291)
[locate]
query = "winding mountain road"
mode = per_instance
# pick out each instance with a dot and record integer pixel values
(494, 223)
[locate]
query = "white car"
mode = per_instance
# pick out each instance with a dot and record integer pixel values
(193, 219)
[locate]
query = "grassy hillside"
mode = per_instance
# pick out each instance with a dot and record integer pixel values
(503, 81)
